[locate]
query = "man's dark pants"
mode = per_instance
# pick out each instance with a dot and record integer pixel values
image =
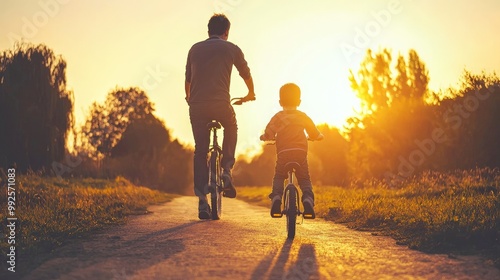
(200, 115)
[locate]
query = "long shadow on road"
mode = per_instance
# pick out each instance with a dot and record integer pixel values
(306, 266)
(144, 250)
(274, 265)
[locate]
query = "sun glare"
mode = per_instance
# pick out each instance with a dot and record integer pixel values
(322, 76)
(330, 106)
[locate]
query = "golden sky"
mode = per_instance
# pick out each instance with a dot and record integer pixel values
(312, 43)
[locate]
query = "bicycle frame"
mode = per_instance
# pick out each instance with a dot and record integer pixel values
(291, 199)
(215, 172)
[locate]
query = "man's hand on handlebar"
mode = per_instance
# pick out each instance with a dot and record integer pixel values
(240, 100)
(250, 96)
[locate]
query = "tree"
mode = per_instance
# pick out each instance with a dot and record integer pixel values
(373, 82)
(418, 76)
(469, 118)
(125, 139)
(378, 84)
(36, 109)
(394, 114)
(146, 155)
(259, 171)
(106, 123)
(402, 85)
(331, 154)
(94, 132)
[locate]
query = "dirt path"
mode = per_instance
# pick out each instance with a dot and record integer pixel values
(171, 243)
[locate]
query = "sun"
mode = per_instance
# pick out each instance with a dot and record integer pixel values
(327, 99)
(322, 74)
(314, 62)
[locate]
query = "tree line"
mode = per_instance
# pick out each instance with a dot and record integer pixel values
(402, 129)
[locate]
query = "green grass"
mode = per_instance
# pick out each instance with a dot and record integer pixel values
(457, 212)
(51, 211)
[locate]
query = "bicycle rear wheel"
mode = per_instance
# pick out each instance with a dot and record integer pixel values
(291, 210)
(216, 186)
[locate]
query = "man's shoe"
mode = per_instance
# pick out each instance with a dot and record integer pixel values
(308, 208)
(276, 207)
(228, 187)
(203, 210)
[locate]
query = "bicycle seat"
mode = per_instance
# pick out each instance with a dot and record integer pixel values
(214, 124)
(292, 166)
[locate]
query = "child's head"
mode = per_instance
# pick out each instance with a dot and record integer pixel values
(290, 95)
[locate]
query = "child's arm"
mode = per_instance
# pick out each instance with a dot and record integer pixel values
(271, 129)
(312, 131)
(268, 135)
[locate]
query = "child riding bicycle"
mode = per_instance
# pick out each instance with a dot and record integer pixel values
(287, 129)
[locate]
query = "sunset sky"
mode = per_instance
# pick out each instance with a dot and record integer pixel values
(312, 43)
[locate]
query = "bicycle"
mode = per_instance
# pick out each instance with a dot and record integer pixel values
(291, 200)
(215, 183)
(215, 187)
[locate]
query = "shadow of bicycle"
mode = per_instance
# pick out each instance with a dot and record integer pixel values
(274, 265)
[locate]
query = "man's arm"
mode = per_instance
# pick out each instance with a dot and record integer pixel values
(242, 66)
(187, 88)
(187, 81)
(251, 92)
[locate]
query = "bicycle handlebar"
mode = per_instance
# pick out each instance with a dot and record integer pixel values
(273, 141)
(241, 100)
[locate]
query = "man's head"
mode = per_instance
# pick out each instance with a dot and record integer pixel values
(219, 25)
(290, 95)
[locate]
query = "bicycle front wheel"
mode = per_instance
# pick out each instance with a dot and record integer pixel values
(291, 211)
(216, 187)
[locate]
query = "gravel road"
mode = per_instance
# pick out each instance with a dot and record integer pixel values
(171, 243)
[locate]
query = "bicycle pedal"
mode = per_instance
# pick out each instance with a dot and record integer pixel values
(276, 215)
(309, 216)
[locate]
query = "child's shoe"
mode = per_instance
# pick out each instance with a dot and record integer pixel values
(308, 208)
(276, 207)
(228, 190)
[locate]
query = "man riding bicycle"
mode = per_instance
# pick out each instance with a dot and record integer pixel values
(208, 73)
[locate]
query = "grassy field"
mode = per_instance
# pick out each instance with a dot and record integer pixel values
(457, 212)
(51, 211)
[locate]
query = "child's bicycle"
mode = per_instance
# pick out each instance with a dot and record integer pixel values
(291, 205)
(215, 182)
(291, 199)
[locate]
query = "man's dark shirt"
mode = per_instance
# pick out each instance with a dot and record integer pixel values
(208, 69)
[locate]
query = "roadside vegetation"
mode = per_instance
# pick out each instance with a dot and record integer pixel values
(52, 211)
(456, 212)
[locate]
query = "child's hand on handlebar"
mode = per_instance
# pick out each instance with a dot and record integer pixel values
(263, 137)
(319, 138)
